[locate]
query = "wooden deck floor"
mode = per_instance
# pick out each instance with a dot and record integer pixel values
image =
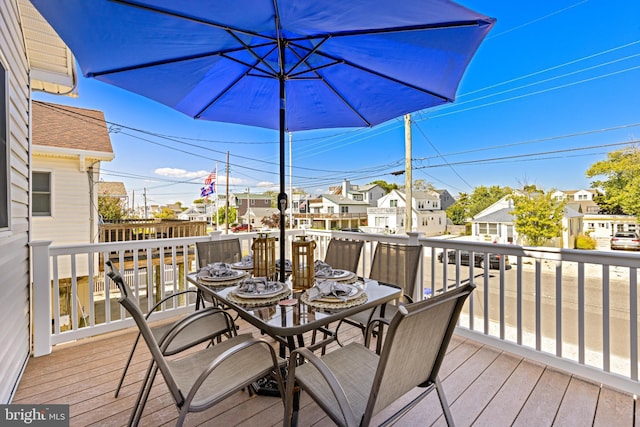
(484, 386)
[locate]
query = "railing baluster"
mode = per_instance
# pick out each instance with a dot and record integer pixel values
(606, 334)
(519, 301)
(633, 322)
(538, 298)
(559, 307)
(581, 342)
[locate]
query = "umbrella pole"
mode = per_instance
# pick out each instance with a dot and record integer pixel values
(282, 197)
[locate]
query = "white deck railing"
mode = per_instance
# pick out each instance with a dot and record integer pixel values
(571, 309)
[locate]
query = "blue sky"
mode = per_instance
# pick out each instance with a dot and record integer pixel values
(550, 91)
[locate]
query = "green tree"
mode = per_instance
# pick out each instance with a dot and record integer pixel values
(538, 217)
(165, 213)
(423, 185)
(233, 213)
(110, 208)
(469, 205)
(386, 186)
(619, 187)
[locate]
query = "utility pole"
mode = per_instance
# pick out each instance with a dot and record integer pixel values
(408, 226)
(226, 202)
(146, 208)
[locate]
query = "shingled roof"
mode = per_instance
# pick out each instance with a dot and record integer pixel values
(70, 128)
(114, 189)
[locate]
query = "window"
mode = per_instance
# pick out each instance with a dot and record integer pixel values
(487, 228)
(344, 209)
(393, 203)
(4, 152)
(330, 209)
(41, 198)
(358, 197)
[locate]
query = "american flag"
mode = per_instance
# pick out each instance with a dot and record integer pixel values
(211, 178)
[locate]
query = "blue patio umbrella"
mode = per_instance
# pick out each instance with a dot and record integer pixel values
(282, 64)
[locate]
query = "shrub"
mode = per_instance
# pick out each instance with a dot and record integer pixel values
(584, 241)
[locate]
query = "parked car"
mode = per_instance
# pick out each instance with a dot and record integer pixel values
(241, 227)
(479, 259)
(625, 240)
(352, 230)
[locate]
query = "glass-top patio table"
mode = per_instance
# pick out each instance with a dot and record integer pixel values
(288, 319)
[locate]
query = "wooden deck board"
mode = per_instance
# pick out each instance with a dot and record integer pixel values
(578, 406)
(484, 386)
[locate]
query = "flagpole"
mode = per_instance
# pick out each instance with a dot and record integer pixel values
(216, 193)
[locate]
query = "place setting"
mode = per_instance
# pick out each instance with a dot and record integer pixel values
(258, 291)
(330, 294)
(219, 274)
(246, 263)
(324, 271)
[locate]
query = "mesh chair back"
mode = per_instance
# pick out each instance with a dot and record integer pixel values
(130, 304)
(226, 250)
(396, 265)
(344, 254)
(407, 362)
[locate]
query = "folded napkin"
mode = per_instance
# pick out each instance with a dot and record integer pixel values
(329, 288)
(247, 260)
(287, 264)
(217, 269)
(256, 285)
(322, 269)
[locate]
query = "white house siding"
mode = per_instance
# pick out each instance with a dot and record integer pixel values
(69, 222)
(14, 250)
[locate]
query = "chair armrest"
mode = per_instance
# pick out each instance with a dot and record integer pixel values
(368, 332)
(167, 298)
(182, 324)
(327, 375)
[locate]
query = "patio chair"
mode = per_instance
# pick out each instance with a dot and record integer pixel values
(205, 377)
(395, 265)
(341, 254)
(210, 251)
(353, 383)
(213, 327)
(344, 254)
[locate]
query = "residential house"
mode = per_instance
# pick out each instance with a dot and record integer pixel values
(333, 212)
(252, 208)
(578, 200)
(114, 189)
(369, 193)
(495, 224)
(69, 145)
(446, 199)
(32, 56)
(426, 213)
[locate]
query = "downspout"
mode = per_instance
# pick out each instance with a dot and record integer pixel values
(92, 202)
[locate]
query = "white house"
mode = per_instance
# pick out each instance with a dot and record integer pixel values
(427, 216)
(369, 193)
(495, 224)
(31, 57)
(69, 145)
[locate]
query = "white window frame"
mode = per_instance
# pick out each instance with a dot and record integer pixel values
(50, 193)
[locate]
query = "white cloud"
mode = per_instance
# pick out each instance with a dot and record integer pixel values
(180, 173)
(266, 184)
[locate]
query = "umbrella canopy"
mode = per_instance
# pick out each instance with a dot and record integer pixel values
(282, 64)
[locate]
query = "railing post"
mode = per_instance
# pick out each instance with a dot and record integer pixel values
(41, 304)
(418, 293)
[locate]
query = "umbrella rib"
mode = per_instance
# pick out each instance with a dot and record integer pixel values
(332, 89)
(381, 75)
(250, 49)
(304, 59)
(149, 8)
(221, 94)
(169, 61)
(373, 31)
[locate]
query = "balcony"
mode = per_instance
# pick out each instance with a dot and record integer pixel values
(550, 337)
